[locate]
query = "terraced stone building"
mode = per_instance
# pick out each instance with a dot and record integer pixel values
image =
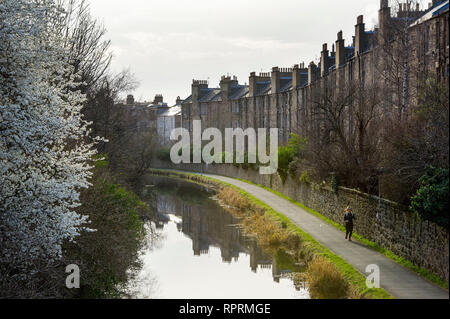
(409, 45)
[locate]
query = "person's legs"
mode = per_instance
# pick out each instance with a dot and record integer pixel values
(346, 231)
(350, 231)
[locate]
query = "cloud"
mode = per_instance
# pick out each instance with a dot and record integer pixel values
(167, 43)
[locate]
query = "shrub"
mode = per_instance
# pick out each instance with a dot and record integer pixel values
(290, 156)
(325, 281)
(431, 199)
(304, 178)
(101, 160)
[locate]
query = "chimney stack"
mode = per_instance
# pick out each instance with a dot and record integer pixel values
(340, 50)
(130, 99)
(324, 60)
(158, 99)
(360, 36)
(384, 17)
(225, 86)
(253, 79)
(299, 76)
(312, 73)
(275, 79)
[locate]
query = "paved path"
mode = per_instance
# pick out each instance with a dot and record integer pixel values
(399, 281)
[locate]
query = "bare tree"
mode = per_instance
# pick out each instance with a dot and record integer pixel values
(345, 138)
(419, 142)
(85, 38)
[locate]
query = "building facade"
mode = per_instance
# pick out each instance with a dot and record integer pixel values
(409, 46)
(144, 117)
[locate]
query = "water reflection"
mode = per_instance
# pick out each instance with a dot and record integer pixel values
(203, 253)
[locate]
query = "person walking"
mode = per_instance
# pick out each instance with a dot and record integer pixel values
(349, 217)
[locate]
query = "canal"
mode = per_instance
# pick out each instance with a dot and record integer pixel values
(198, 250)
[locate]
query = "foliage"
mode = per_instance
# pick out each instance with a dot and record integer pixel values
(44, 154)
(290, 156)
(304, 178)
(108, 256)
(431, 199)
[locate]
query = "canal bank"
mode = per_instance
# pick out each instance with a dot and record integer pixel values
(352, 259)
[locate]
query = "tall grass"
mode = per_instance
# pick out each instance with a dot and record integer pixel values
(325, 281)
(268, 232)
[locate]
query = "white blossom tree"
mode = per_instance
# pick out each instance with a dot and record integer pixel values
(44, 145)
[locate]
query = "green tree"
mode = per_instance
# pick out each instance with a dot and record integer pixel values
(431, 199)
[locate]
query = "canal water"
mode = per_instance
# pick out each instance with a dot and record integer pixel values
(198, 251)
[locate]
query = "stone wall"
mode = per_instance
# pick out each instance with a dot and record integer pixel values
(381, 221)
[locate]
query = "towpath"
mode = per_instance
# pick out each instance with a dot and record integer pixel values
(399, 281)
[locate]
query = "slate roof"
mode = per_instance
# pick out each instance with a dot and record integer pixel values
(170, 111)
(187, 100)
(217, 97)
(238, 91)
(285, 85)
(209, 94)
(263, 88)
(434, 11)
(349, 52)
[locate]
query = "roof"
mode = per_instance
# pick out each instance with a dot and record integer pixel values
(210, 93)
(187, 100)
(438, 9)
(263, 87)
(239, 91)
(285, 85)
(217, 97)
(171, 111)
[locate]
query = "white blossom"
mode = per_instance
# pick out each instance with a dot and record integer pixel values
(43, 147)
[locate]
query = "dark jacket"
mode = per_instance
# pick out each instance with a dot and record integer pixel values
(349, 218)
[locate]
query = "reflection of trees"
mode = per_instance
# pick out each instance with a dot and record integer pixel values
(142, 286)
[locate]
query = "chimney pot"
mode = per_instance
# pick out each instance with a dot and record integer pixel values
(360, 19)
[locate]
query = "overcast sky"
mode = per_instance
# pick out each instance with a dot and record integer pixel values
(167, 43)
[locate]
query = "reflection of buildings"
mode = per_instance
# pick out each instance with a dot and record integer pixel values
(207, 224)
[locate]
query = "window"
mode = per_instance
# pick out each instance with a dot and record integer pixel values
(203, 109)
(235, 106)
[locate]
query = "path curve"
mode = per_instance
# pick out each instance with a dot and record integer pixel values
(399, 281)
